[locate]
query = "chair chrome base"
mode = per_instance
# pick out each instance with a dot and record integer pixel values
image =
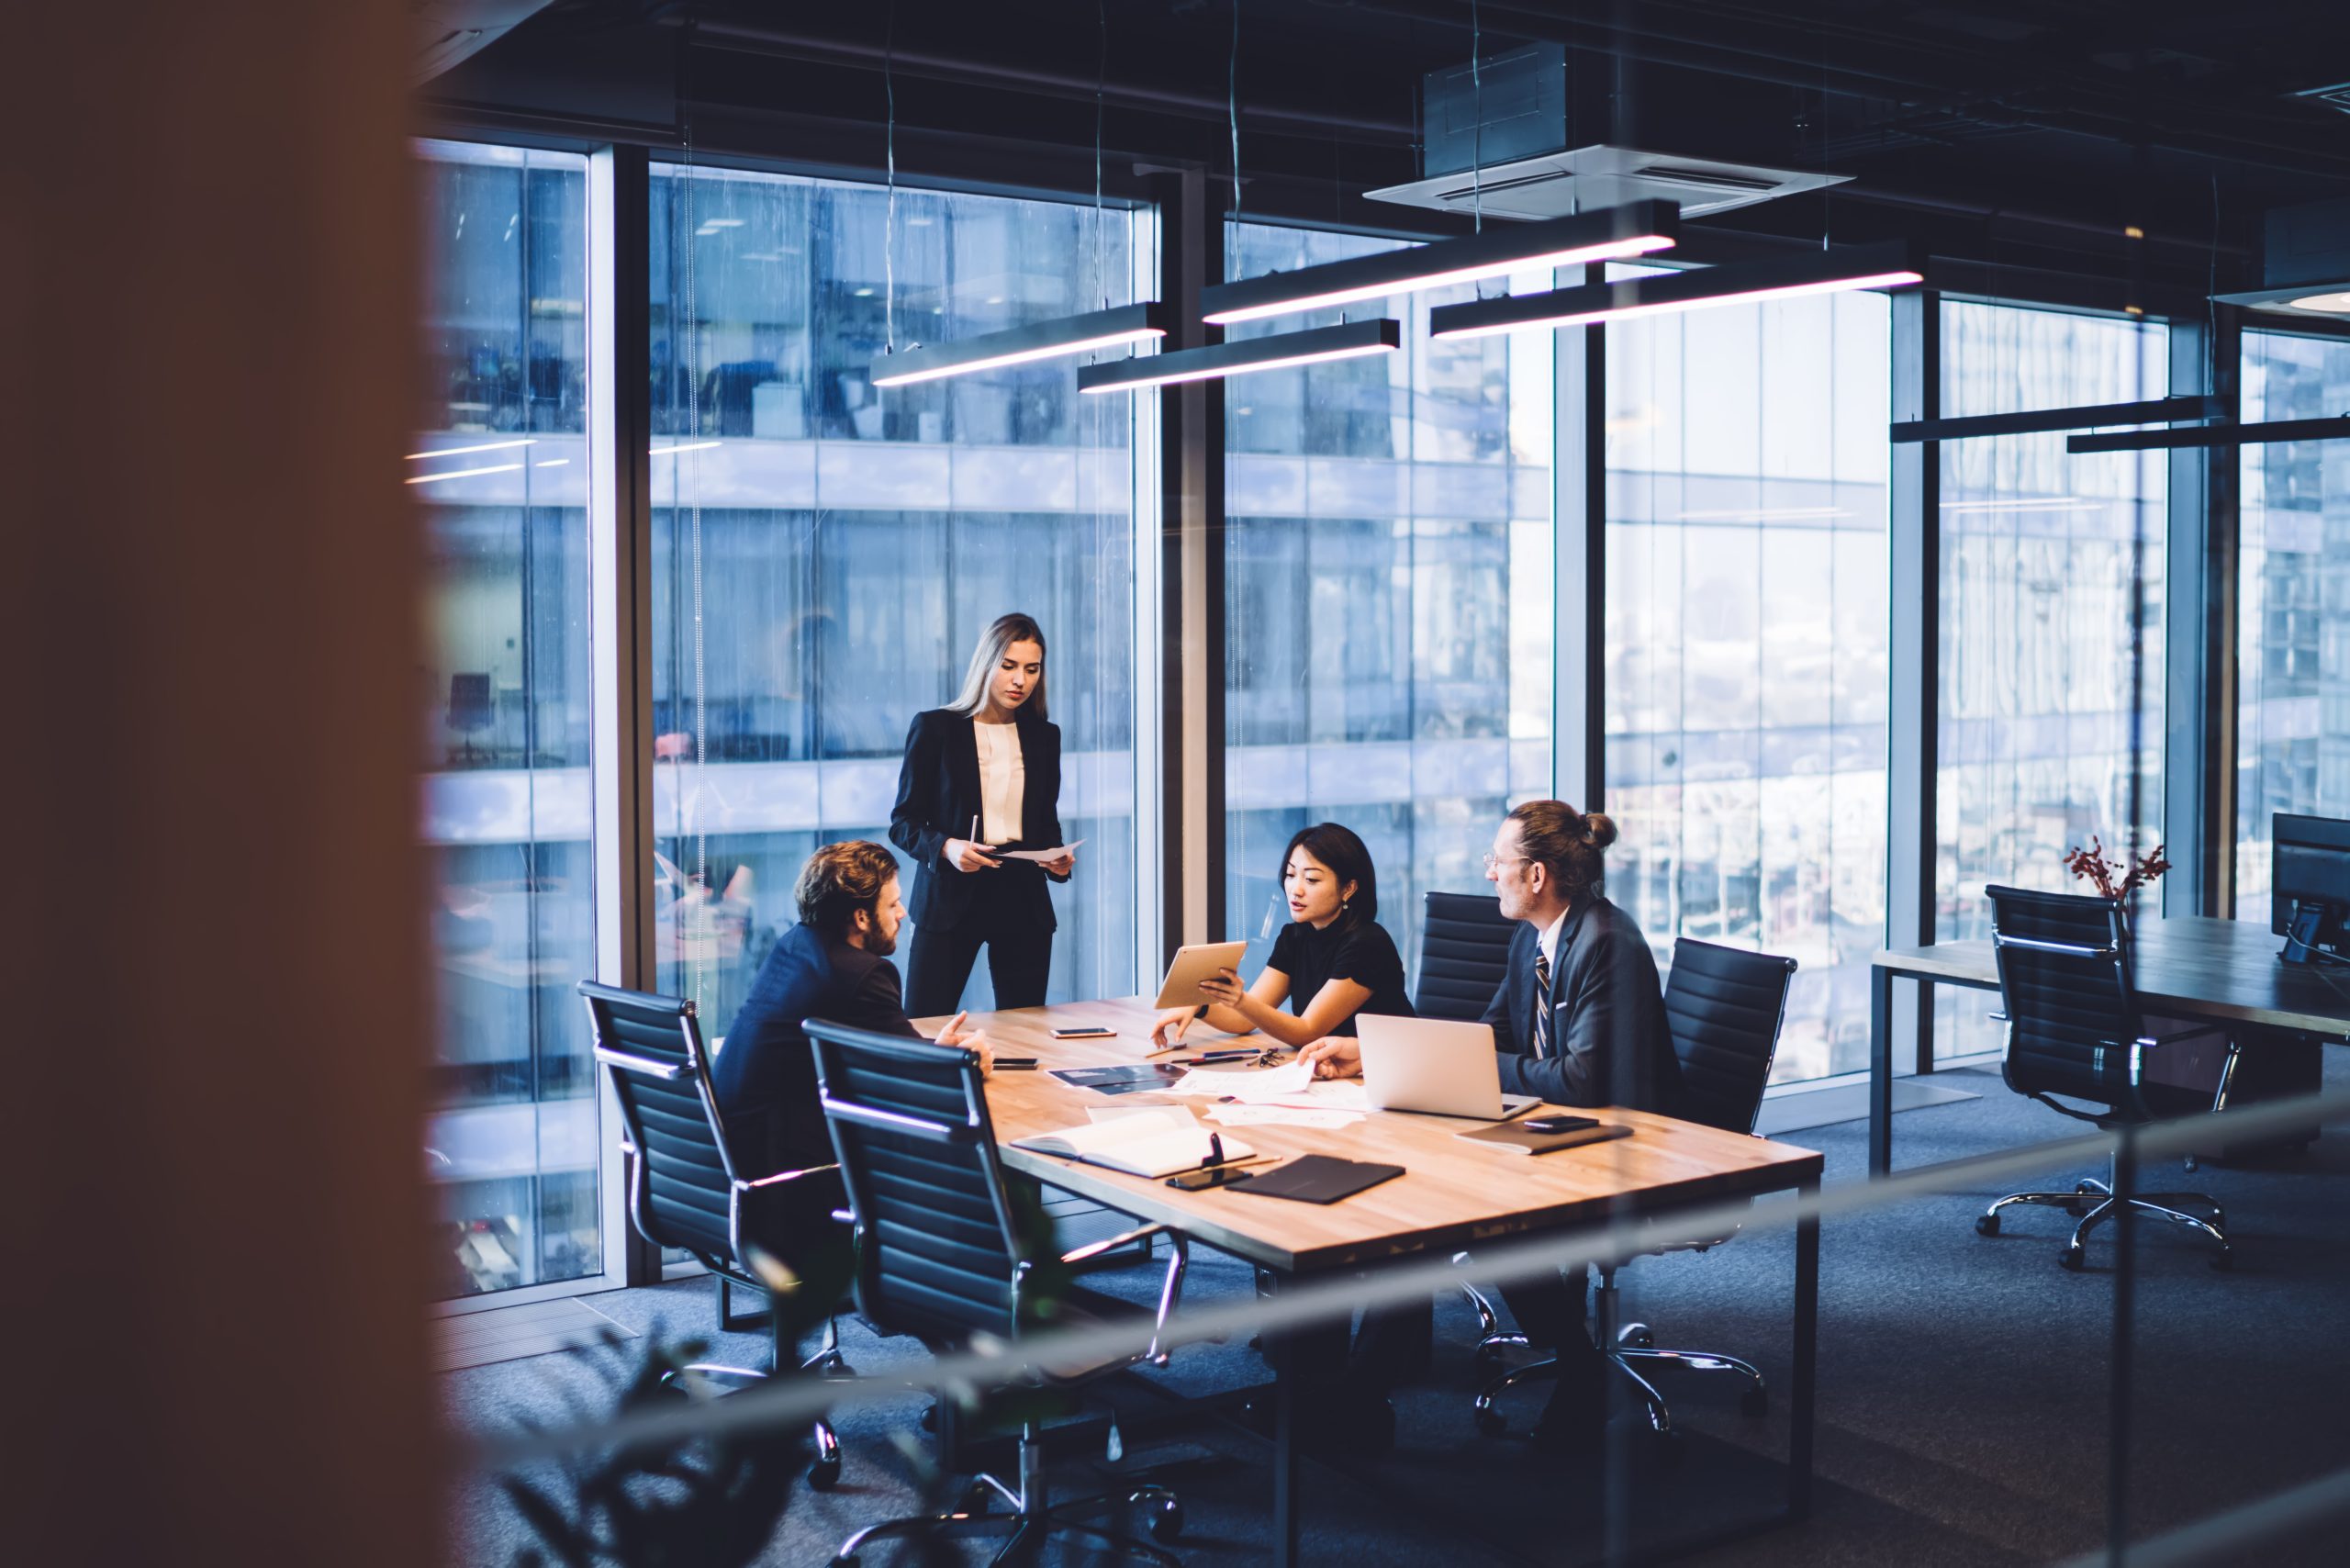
(1631, 1351)
(1033, 1520)
(825, 1471)
(2094, 1202)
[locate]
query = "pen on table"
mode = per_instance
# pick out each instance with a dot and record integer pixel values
(1014, 1064)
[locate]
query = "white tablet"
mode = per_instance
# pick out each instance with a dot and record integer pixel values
(1192, 964)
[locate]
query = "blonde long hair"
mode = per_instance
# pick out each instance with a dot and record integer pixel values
(1005, 631)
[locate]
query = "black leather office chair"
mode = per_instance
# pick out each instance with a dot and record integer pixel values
(947, 1251)
(684, 1192)
(1725, 1006)
(1464, 953)
(2074, 1028)
(470, 709)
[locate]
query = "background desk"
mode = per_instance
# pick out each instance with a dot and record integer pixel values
(2186, 966)
(1453, 1193)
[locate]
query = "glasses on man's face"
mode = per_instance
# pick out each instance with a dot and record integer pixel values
(1491, 861)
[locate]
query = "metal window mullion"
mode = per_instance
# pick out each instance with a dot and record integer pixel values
(1579, 570)
(1914, 649)
(2200, 604)
(619, 575)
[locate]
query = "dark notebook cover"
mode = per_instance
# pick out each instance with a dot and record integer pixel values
(1317, 1178)
(1520, 1139)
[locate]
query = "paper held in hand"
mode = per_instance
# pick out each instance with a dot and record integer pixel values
(1141, 1145)
(1037, 855)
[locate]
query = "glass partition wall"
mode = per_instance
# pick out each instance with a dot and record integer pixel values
(1387, 595)
(2051, 621)
(1746, 646)
(2293, 725)
(825, 554)
(499, 472)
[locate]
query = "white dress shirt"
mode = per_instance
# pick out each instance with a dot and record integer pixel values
(1003, 780)
(1548, 942)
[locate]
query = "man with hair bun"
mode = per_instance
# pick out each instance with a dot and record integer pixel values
(833, 965)
(1579, 1020)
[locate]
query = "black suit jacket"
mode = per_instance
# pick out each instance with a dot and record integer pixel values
(1610, 1043)
(938, 794)
(764, 1078)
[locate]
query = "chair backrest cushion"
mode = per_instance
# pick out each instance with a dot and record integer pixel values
(2065, 984)
(1725, 1006)
(683, 1192)
(1464, 953)
(937, 1244)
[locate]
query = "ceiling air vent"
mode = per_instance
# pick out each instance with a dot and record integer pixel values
(1555, 185)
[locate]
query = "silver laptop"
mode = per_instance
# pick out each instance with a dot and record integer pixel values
(1433, 1065)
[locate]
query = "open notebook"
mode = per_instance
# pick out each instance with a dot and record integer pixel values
(1157, 1142)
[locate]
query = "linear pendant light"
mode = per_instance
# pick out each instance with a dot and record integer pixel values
(1021, 345)
(1887, 265)
(2155, 410)
(1634, 230)
(2261, 434)
(1141, 372)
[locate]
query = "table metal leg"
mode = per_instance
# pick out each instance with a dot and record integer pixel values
(1880, 1070)
(1285, 1520)
(1800, 1411)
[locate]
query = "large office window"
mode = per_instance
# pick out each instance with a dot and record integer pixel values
(499, 470)
(1746, 644)
(2293, 711)
(2052, 620)
(825, 553)
(1388, 603)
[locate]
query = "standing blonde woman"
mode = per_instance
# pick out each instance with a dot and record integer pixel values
(983, 775)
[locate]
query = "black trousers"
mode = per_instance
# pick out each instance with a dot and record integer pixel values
(1551, 1314)
(938, 965)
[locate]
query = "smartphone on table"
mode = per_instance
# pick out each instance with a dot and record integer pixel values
(1558, 1124)
(1209, 1176)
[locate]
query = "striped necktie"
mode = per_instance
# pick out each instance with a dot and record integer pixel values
(1542, 1005)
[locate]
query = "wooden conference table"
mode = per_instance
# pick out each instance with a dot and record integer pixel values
(1452, 1195)
(2183, 966)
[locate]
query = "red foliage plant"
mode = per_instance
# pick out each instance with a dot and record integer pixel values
(2091, 863)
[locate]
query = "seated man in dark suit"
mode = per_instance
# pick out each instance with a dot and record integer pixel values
(833, 965)
(1579, 1019)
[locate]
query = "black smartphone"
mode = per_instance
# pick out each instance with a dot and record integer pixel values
(1014, 1062)
(1209, 1176)
(1086, 1032)
(1548, 1123)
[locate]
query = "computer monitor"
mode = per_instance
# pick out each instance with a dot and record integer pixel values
(2308, 883)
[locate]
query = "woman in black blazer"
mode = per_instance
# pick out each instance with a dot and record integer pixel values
(983, 775)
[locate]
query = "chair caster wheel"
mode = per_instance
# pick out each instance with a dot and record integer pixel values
(1166, 1521)
(2074, 1258)
(975, 1499)
(1490, 1422)
(2225, 1259)
(1637, 1337)
(1754, 1402)
(1987, 1224)
(844, 1563)
(825, 1473)
(930, 1417)
(1488, 1357)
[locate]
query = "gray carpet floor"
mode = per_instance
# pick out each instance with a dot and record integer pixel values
(1964, 1393)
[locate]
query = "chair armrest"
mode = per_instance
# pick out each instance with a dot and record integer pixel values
(2154, 1042)
(1170, 1288)
(782, 1176)
(1095, 1249)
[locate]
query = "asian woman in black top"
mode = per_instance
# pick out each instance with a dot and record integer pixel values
(1332, 960)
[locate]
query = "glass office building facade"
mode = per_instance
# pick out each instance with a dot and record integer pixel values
(499, 472)
(2052, 620)
(2293, 620)
(825, 554)
(1745, 644)
(1387, 595)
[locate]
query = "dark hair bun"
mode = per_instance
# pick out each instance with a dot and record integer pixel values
(1600, 829)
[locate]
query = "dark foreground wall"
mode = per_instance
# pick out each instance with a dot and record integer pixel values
(210, 1341)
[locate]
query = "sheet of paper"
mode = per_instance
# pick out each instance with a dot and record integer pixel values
(1250, 1088)
(1035, 854)
(1281, 1116)
(1177, 1119)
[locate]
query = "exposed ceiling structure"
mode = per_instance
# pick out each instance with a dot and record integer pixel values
(2019, 138)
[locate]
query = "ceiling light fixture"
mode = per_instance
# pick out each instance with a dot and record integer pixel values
(1022, 345)
(1314, 346)
(2212, 435)
(2088, 417)
(2330, 304)
(454, 451)
(1888, 265)
(461, 473)
(1635, 229)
